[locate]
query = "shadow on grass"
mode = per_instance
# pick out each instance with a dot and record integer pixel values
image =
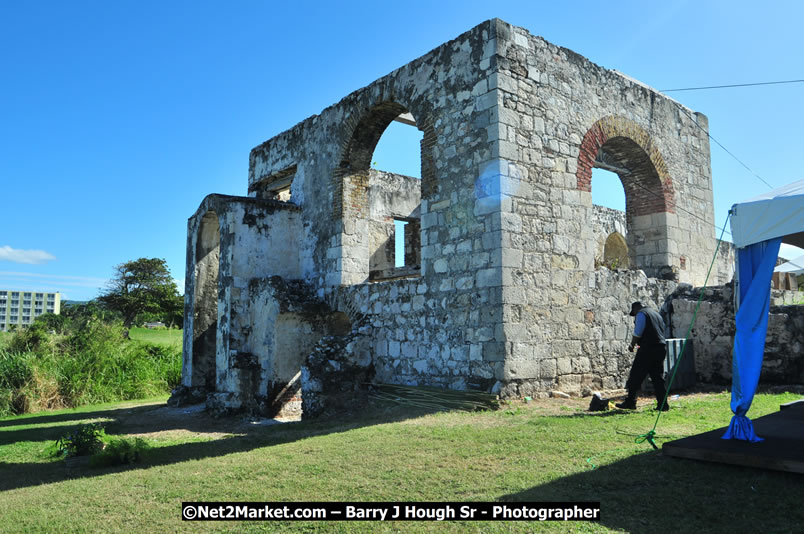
(649, 493)
(69, 420)
(240, 436)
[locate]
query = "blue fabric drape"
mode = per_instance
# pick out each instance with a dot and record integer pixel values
(755, 264)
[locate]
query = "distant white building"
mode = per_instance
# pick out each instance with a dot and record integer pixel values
(22, 307)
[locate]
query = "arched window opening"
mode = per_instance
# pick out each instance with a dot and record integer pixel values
(205, 301)
(645, 236)
(386, 155)
(276, 186)
(619, 145)
(399, 149)
(615, 252)
(608, 199)
(607, 190)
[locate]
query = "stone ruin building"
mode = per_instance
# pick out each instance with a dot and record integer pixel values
(511, 282)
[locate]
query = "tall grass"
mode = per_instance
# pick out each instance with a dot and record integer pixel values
(89, 363)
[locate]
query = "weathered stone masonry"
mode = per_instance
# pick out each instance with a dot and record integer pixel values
(503, 289)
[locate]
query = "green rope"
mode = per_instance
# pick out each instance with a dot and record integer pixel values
(650, 436)
(652, 433)
(647, 437)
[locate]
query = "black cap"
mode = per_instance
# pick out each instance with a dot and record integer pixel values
(635, 307)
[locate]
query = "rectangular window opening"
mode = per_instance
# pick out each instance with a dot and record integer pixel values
(399, 242)
(275, 186)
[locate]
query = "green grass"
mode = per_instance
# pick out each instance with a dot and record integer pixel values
(170, 337)
(523, 452)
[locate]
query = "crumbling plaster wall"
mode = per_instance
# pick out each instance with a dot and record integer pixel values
(253, 243)
(281, 326)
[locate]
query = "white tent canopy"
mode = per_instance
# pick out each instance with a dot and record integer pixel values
(795, 266)
(777, 213)
(759, 226)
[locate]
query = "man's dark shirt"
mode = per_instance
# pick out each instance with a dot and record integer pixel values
(654, 328)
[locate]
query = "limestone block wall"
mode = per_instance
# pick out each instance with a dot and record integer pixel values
(605, 221)
(713, 336)
(418, 334)
(724, 264)
(508, 295)
(609, 228)
(393, 197)
(416, 339)
(586, 339)
(559, 116)
(448, 94)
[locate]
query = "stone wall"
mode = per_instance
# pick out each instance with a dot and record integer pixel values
(713, 336)
(502, 288)
(724, 264)
(393, 197)
(609, 229)
(416, 339)
(559, 114)
(606, 221)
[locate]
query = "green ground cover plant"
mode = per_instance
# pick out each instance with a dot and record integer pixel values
(85, 440)
(120, 451)
(546, 450)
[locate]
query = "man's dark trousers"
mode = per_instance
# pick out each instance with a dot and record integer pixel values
(649, 360)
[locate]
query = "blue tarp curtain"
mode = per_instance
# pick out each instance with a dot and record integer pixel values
(755, 264)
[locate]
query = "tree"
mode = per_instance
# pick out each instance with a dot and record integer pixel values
(143, 286)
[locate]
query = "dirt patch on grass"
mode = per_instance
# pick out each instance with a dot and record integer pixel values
(158, 421)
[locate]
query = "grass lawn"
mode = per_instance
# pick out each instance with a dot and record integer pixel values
(547, 450)
(159, 336)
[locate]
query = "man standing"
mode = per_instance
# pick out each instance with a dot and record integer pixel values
(649, 336)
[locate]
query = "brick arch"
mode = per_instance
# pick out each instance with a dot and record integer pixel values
(363, 130)
(648, 186)
(365, 134)
(373, 112)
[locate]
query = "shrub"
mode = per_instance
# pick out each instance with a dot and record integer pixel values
(16, 372)
(91, 361)
(121, 451)
(16, 369)
(51, 322)
(83, 441)
(35, 338)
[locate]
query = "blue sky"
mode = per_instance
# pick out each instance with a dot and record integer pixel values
(117, 118)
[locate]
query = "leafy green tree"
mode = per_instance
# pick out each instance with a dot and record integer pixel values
(51, 322)
(143, 286)
(79, 314)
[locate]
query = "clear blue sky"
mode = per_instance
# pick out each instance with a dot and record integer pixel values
(117, 118)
